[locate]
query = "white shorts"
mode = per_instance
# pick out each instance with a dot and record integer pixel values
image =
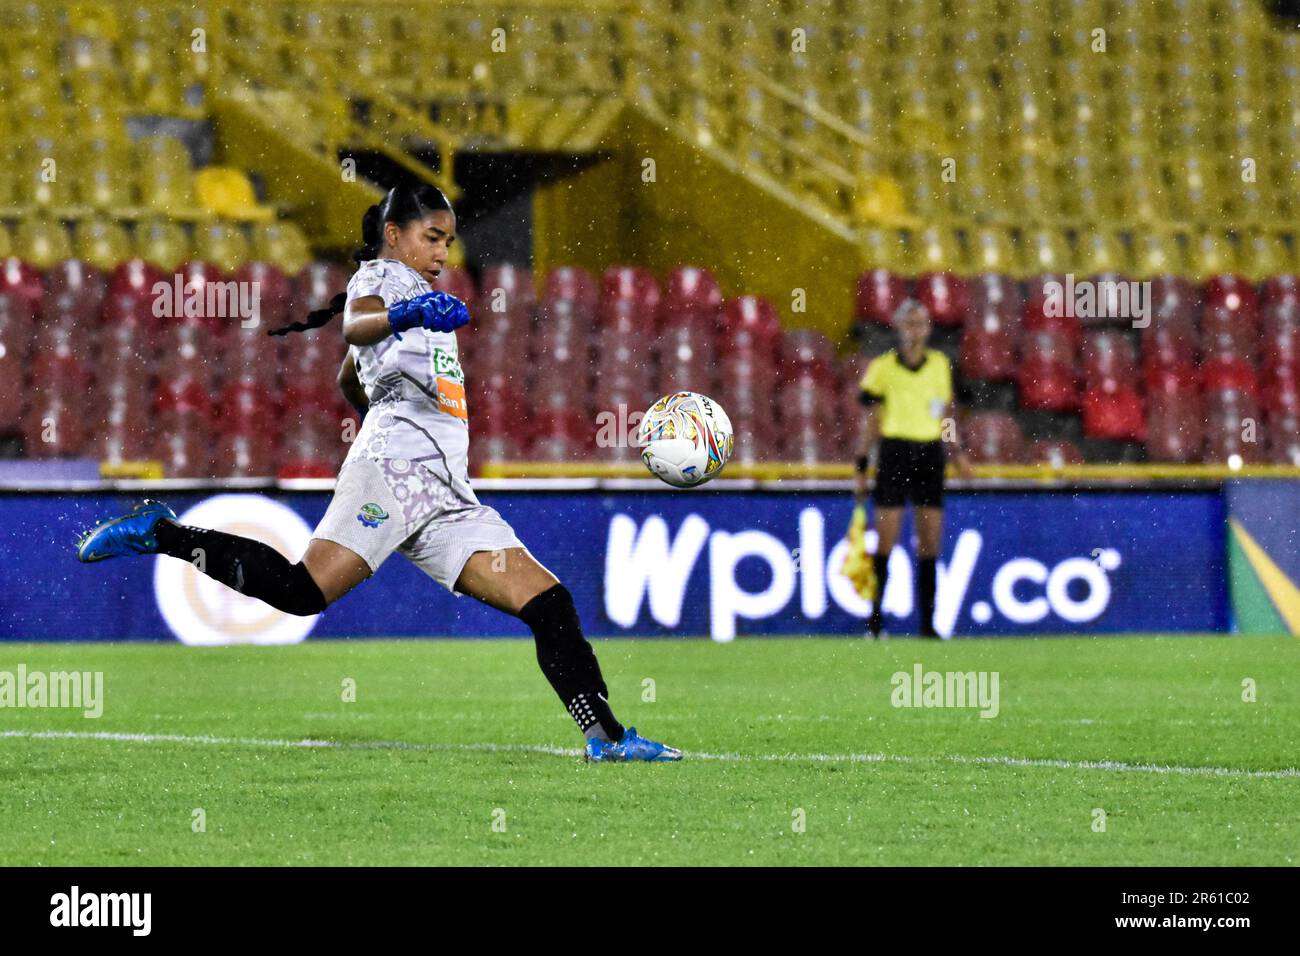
(395, 505)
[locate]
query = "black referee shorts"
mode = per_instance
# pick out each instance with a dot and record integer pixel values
(909, 471)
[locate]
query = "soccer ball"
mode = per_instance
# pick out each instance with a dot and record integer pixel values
(686, 438)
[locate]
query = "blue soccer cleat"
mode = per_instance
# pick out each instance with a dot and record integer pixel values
(632, 747)
(130, 534)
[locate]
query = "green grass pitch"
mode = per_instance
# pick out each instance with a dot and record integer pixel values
(457, 752)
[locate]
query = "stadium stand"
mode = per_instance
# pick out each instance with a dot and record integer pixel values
(969, 180)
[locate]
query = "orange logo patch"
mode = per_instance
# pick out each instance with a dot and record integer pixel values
(451, 398)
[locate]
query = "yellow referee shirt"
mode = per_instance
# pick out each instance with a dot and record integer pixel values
(913, 399)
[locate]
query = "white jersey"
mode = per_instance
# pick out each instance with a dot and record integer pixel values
(415, 386)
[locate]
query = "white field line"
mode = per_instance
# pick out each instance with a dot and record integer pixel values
(1109, 766)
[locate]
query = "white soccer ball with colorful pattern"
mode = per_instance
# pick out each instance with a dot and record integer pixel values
(686, 439)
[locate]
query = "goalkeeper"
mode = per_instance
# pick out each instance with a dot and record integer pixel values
(908, 394)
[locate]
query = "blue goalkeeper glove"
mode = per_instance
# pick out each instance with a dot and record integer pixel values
(439, 311)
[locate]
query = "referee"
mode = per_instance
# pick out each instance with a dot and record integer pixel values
(908, 393)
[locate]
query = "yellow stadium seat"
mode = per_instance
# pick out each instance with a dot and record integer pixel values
(1263, 254)
(8, 185)
(883, 249)
(42, 241)
(936, 249)
(1157, 253)
(223, 244)
(227, 192)
(103, 243)
(1044, 251)
(878, 199)
(104, 186)
(168, 192)
(283, 245)
(1101, 251)
(162, 154)
(44, 180)
(1212, 254)
(993, 251)
(162, 242)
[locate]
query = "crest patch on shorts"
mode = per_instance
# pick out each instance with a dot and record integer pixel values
(372, 515)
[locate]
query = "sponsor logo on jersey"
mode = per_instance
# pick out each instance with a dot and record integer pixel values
(451, 399)
(447, 365)
(371, 515)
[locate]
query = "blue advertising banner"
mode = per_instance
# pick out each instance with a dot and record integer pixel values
(717, 563)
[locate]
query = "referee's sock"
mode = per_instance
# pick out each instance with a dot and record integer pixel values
(569, 663)
(926, 583)
(881, 563)
(248, 566)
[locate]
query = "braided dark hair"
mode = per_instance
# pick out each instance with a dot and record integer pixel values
(402, 204)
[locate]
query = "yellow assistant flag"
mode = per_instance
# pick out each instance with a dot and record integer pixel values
(858, 566)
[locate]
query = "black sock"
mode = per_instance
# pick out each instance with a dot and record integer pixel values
(926, 582)
(569, 663)
(881, 563)
(248, 566)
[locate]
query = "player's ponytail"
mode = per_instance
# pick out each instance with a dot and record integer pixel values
(402, 204)
(372, 231)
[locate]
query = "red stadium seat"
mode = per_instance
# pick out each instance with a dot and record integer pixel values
(561, 435)
(1219, 323)
(1046, 377)
(562, 356)
(1175, 430)
(686, 352)
(247, 424)
(944, 294)
(988, 347)
(79, 283)
(56, 423)
(808, 427)
(1226, 373)
(1113, 412)
(274, 305)
(631, 284)
(880, 293)
(690, 289)
(802, 348)
(1000, 294)
(1173, 300)
(1277, 290)
(1054, 452)
(20, 279)
(1234, 293)
(1169, 343)
(992, 438)
(135, 278)
(460, 284)
(1281, 397)
(1109, 357)
(749, 322)
(572, 284)
(17, 326)
(1283, 439)
(1173, 380)
(1233, 427)
(504, 287)
(123, 403)
(315, 285)
(746, 388)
